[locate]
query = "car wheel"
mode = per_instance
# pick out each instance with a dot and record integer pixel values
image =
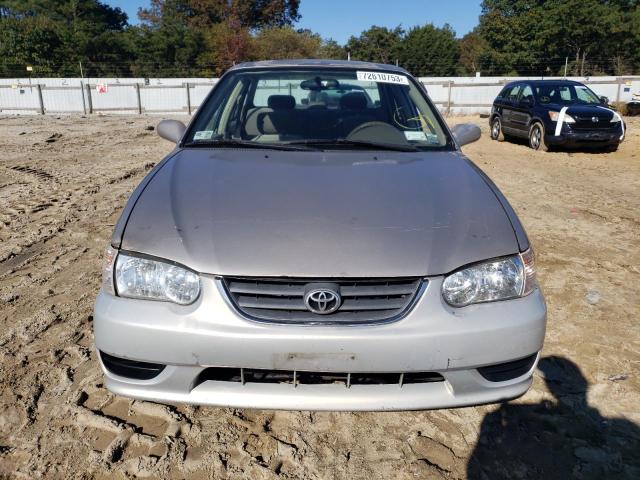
(496, 130)
(536, 137)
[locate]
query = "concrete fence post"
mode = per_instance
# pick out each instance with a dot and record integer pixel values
(449, 98)
(84, 104)
(89, 101)
(188, 98)
(139, 99)
(619, 80)
(40, 99)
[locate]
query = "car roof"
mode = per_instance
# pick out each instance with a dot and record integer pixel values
(544, 82)
(318, 63)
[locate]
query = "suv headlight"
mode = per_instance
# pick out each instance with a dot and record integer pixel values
(567, 118)
(139, 277)
(499, 279)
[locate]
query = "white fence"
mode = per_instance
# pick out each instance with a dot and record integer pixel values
(455, 95)
(103, 95)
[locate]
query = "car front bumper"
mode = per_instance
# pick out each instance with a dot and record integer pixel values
(432, 337)
(589, 138)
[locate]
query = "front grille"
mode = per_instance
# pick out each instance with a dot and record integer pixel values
(362, 301)
(292, 377)
(586, 123)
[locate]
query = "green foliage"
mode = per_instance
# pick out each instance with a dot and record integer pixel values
(472, 46)
(426, 50)
(205, 37)
(430, 50)
(32, 41)
(533, 37)
(331, 49)
(285, 42)
(377, 44)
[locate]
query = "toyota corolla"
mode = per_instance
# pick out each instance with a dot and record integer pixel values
(317, 240)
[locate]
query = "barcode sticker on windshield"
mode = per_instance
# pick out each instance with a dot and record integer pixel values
(382, 77)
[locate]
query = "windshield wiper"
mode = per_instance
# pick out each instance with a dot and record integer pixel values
(360, 144)
(230, 143)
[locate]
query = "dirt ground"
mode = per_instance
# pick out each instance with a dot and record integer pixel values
(63, 182)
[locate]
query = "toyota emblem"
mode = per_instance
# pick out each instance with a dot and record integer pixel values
(322, 300)
(595, 119)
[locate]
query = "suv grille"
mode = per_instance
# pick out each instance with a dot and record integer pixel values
(361, 300)
(586, 123)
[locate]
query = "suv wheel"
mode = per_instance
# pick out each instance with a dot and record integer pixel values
(496, 130)
(536, 137)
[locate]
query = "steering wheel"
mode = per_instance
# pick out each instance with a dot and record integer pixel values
(378, 132)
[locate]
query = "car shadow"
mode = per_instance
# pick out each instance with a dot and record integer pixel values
(560, 439)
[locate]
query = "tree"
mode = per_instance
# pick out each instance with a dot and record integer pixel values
(472, 46)
(377, 44)
(429, 50)
(227, 44)
(533, 37)
(32, 41)
(54, 35)
(512, 30)
(584, 29)
(285, 42)
(251, 14)
(332, 50)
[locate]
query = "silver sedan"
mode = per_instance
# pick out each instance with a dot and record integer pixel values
(317, 241)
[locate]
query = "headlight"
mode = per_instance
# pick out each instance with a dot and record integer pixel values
(555, 115)
(107, 269)
(500, 279)
(137, 277)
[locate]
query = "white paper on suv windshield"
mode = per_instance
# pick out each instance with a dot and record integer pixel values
(382, 77)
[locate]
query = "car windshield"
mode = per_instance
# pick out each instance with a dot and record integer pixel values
(566, 94)
(319, 108)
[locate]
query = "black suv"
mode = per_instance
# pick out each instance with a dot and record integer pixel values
(555, 112)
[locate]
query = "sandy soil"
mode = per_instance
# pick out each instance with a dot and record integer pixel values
(63, 182)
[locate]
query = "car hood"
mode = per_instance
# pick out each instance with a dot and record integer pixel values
(586, 111)
(319, 214)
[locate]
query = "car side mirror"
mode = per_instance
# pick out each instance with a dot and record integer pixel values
(171, 130)
(604, 100)
(465, 133)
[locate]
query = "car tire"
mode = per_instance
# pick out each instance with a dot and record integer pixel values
(536, 137)
(496, 130)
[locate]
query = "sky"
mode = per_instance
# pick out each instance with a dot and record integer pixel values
(339, 19)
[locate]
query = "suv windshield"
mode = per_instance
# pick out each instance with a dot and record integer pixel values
(566, 94)
(321, 107)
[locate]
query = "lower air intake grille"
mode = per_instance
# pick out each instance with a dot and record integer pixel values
(131, 368)
(252, 375)
(507, 371)
(346, 301)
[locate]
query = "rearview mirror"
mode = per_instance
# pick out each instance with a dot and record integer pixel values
(171, 130)
(604, 100)
(320, 84)
(465, 133)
